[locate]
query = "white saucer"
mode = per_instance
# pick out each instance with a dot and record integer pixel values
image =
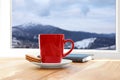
(53, 65)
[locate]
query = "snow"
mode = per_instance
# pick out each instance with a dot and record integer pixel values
(85, 43)
(15, 42)
(28, 24)
(113, 47)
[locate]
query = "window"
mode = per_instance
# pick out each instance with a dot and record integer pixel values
(91, 24)
(6, 31)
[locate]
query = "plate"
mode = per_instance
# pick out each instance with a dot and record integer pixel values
(53, 65)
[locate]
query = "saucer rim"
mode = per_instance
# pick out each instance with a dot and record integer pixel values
(53, 65)
(68, 61)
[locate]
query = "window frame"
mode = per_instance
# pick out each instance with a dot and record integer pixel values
(6, 35)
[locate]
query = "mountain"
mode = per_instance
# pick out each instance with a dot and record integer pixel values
(27, 36)
(86, 43)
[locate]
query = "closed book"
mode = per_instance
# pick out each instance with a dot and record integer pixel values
(79, 57)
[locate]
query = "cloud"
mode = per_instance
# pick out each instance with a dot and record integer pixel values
(85, 10)
(38, 7)
(67, 14)
(103, 3)
(18, 5)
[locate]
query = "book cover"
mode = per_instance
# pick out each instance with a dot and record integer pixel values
(79, 57)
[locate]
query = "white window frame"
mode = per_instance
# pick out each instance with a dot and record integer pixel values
(5, 36)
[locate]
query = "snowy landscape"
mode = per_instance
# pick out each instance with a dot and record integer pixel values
(91, 24)
(26, 36)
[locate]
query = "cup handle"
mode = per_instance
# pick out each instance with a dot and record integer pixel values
(68, 40)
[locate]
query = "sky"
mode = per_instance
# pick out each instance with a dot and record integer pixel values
(76, 15)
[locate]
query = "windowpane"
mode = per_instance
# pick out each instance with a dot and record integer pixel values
(91, 24)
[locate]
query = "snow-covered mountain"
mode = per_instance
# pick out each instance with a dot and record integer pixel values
(25, 36)
(113, 47)
(85, 43)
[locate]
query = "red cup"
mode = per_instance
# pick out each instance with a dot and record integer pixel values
(52, 46)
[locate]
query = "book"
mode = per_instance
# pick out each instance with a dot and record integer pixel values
(79, 57)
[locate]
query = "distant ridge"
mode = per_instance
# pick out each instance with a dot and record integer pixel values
(27, 34)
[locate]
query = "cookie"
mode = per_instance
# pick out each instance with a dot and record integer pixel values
(31, 58)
